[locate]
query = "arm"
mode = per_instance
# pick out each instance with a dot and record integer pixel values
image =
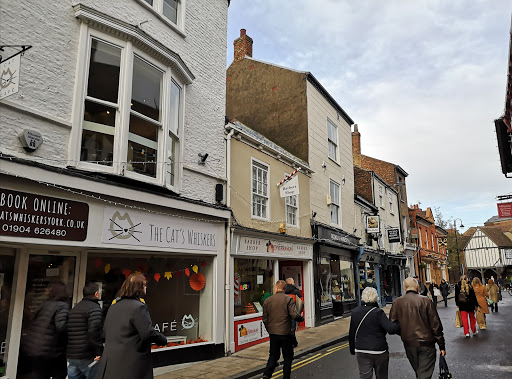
(61, 318)
(388, 326)
(436, 325)
(457, 291)
(352, 335)
(94, 328)
(265, 313)
(292, 310)
(142, 322)
(392, 313)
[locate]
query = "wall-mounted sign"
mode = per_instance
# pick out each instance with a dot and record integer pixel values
(137, 228)
(10, 76)
(290, 188)
(505, 210)
(337, 236)
(27, 215)
(372, 224)
(271, 247)
(250, 331)
(393, 235)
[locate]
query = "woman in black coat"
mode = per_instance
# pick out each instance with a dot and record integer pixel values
(445, 290)
(431, 289)
(128, 334)
(465, 299)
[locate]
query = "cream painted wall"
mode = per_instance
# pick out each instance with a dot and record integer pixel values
(319, 109)
(241, 157)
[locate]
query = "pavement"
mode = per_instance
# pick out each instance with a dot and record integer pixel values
(251, 361)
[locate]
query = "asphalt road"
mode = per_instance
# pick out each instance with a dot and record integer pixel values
(485, 356)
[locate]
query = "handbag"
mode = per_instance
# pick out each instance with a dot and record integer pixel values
(444, 373)
(489, 302)
(458, 319)
(437, 292)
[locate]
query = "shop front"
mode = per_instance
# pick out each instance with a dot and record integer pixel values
(258, 260)
(335, 285)
(370, 272)
(53, 240)
(394, 269)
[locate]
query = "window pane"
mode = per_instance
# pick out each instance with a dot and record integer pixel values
(171, 10)
(150, 2)
(332, 132)
(254, 282)
(171, 154)
(142, 146)
(334, 214)
(175, 107)
(332, 150)
(104, 67)
(98, 134)
(146, 89)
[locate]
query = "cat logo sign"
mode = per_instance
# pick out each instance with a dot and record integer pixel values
(122, 227)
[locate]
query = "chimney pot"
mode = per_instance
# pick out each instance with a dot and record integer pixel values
(242, 32)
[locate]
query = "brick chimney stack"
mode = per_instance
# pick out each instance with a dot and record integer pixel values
(243, 46)
(356, 146)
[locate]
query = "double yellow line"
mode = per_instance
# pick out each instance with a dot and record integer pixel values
(312, 359)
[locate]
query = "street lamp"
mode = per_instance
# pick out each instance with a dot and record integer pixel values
(457, 242)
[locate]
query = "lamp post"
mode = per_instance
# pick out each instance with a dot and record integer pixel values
(457, 243)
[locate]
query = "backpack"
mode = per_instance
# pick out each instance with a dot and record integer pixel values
(463, 297)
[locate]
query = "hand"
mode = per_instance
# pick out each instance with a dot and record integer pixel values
(97, 358)
(443, 352)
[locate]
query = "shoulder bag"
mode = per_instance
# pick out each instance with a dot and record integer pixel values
(357, 330)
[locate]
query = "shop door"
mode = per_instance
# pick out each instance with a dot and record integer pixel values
(50, 279)
(295, 270)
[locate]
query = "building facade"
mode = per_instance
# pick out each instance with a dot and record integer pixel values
(99, 168)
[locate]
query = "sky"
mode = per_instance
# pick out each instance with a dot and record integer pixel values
(423, 80)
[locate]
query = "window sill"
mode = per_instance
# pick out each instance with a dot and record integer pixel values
(169, 23)
(260, 218)
(334, 161)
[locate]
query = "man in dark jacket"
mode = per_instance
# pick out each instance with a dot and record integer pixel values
(278, 312)
(421, 329)
(367, 336)
(422, 289)
(294, 292)
(84, 334)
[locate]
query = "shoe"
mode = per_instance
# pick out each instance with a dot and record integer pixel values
(467, 335)
(475, 332)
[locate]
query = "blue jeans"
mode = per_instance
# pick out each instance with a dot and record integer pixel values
(79, 368)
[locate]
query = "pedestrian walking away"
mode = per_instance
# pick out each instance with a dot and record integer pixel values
(466, 302)
(433, 289)
(367, 336)
(494, 295)
(278, 312)
(85, 324)
(128, 334)
(423, 291)
(296, 295)
(420, 329)
(445, 291)
(481, 298)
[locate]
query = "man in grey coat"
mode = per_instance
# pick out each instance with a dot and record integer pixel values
(278, 312)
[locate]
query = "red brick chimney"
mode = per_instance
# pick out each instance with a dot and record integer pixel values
(243, 46)
(356, 146)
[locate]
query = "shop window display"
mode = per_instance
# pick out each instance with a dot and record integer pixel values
(325, 280)
(347, 281)
(253, 282)
(179, 291)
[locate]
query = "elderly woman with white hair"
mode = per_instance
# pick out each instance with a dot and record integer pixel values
(367, 337)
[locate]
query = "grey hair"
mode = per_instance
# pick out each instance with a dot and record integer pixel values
(369, 295)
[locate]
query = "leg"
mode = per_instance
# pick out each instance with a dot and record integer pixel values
(445, 298)
(412, 355)
(464, 317)
(381, 365)
(365, 363)
(496, 306)
(287, 346)
(74, 371)
(472, 320)
(426, 362)
(273, 356)
(434, 298)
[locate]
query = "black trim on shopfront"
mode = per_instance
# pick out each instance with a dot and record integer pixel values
(188, 354)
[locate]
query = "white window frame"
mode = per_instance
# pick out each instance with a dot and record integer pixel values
(119, 166)
(429, 273)
(390, 196)
(296, 207)
(260, 163)
(331, 142)
(157, 9)
(335, 202)
(381, 196)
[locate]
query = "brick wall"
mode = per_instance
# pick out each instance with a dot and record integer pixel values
(363, 183)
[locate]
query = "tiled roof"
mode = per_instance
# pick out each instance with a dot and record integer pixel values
(497, 236)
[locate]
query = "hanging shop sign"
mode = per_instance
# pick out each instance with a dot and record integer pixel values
(290, 188)
(27, 215)
(372, 224)
(271, 247)
(393, 235)
(10, 76)
(251, 331)
(504, 210)
(138, 228)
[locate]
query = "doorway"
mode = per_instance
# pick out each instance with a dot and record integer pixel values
(295, 270)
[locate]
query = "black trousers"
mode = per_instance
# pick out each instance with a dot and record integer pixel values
(373, 362)
(278, 343)
(422, 360)
(445, 298)
(494, 307)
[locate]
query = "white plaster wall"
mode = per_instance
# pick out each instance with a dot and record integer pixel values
(46, 89)
(481, 251)
(319, 110)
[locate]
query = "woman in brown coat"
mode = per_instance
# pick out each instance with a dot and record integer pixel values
(494, 294)
(481, 297)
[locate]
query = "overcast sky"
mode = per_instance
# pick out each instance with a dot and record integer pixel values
(423, 79)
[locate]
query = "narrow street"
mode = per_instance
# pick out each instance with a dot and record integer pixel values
(475, 357)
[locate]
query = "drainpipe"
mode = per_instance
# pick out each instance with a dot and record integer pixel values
(359, 255)
(229, 236)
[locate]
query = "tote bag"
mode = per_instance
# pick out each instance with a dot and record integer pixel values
(458, 319)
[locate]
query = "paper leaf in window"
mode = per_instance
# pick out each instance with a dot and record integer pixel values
(197, 282)
(195, 268)
(168, 275)
(157, 277)
(187, 272)
(127, 272)
(203, 264)
(107, 268)
(98, 262)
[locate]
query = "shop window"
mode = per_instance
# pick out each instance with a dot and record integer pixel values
(179, 291)
(347, 280)
(6, 277)
(253, 283)
(325, 278)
